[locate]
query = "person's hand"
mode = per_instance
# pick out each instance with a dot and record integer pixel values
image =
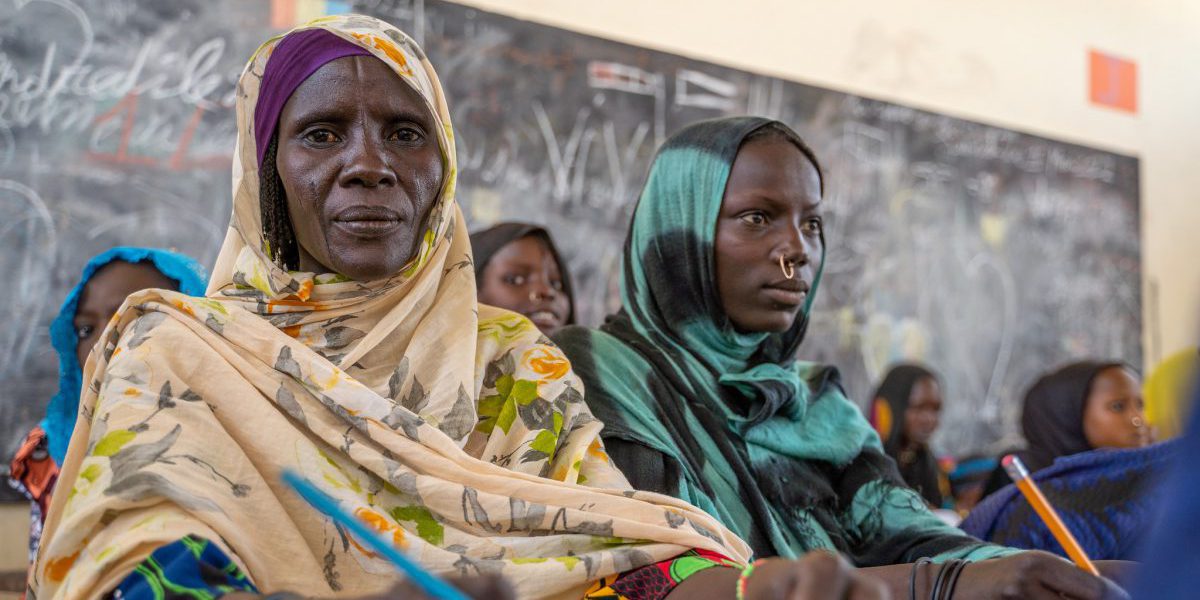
(1033, 575)
(1119, 571)
(815, 576)
(480, 587)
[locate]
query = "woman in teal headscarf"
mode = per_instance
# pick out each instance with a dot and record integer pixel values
(702, 398)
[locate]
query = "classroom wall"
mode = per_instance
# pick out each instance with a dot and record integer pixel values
(1021, 65)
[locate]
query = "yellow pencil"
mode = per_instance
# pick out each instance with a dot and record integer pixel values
(1020, 475)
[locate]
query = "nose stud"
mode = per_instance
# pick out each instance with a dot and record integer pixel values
(789, 272)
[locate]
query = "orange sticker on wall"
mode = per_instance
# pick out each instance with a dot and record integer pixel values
(1113, 81)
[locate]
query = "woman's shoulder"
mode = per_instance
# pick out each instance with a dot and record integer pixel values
(601, 359)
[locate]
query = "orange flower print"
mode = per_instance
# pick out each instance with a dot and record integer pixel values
(547, 363)
(381, 524)
(57, 568)
(596, 450)
(184, 307)
(389, 49)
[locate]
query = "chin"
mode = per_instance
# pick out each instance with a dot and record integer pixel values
(766, 322)
(367, 263)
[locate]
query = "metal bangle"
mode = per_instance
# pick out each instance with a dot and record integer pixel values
(912, 577)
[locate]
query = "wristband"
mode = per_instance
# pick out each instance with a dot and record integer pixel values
(745, 577)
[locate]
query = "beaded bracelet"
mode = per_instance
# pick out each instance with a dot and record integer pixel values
(745, 577)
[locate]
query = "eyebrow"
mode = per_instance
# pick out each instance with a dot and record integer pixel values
(330, 115)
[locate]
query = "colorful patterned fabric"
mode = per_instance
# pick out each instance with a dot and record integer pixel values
(34, 468)
(654, 582)
(187, 569)
(452, 428)
(1107, 498)
(730, 421)
(64, 407)
(33, 473)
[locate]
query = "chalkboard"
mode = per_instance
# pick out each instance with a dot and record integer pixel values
(991, 253)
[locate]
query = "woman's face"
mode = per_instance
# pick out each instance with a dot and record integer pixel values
(771, 210)
(524, 277)
(360, 164)
(924, 411)
(1114, 416)
(104, 294)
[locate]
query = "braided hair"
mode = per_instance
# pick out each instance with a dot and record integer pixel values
(278, 234)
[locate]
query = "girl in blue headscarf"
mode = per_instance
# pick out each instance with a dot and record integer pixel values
(107, 279)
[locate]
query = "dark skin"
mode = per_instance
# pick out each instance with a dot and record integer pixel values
(1115, 413)
(524, 277)
(359, 159)
(924, 412)
(104, 294)
(771, 209)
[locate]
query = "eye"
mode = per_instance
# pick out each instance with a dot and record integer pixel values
(755, 218)
(84, 332)
(321, 137)
(406, 135)
(557, 285)
(814, 226)
(517, 280)
(1117, 406)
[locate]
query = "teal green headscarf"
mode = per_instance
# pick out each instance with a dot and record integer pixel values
(727, 420)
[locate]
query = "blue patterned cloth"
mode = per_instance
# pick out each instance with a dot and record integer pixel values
(1107, 499)
(190, 568)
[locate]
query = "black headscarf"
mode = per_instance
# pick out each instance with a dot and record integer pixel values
(920, 468)
(1052, 418)
(486, 243)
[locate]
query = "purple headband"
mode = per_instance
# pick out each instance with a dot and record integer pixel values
(297, 56)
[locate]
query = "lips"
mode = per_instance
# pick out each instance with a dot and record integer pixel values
(368, 221)
(787, 292)
(544, 319)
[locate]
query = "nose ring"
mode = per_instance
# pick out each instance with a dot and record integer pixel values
(533, 296)
(789, 272)
(1137, 422)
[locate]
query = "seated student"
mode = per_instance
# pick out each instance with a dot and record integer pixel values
(1107, 498)
(702, 398)
(1079, 407)
(341, 339)
(905, 413)
(107, 279)
(518, 268)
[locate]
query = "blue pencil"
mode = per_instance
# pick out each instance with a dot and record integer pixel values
(431, 584)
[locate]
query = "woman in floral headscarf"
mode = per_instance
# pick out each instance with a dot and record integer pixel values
(341, 339)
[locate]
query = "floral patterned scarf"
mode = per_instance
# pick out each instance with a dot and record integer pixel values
(454, 429)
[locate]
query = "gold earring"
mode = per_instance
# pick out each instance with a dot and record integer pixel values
(789, 271)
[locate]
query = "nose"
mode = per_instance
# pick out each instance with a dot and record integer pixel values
(540, 289)
(791, 247)
(367, 164)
